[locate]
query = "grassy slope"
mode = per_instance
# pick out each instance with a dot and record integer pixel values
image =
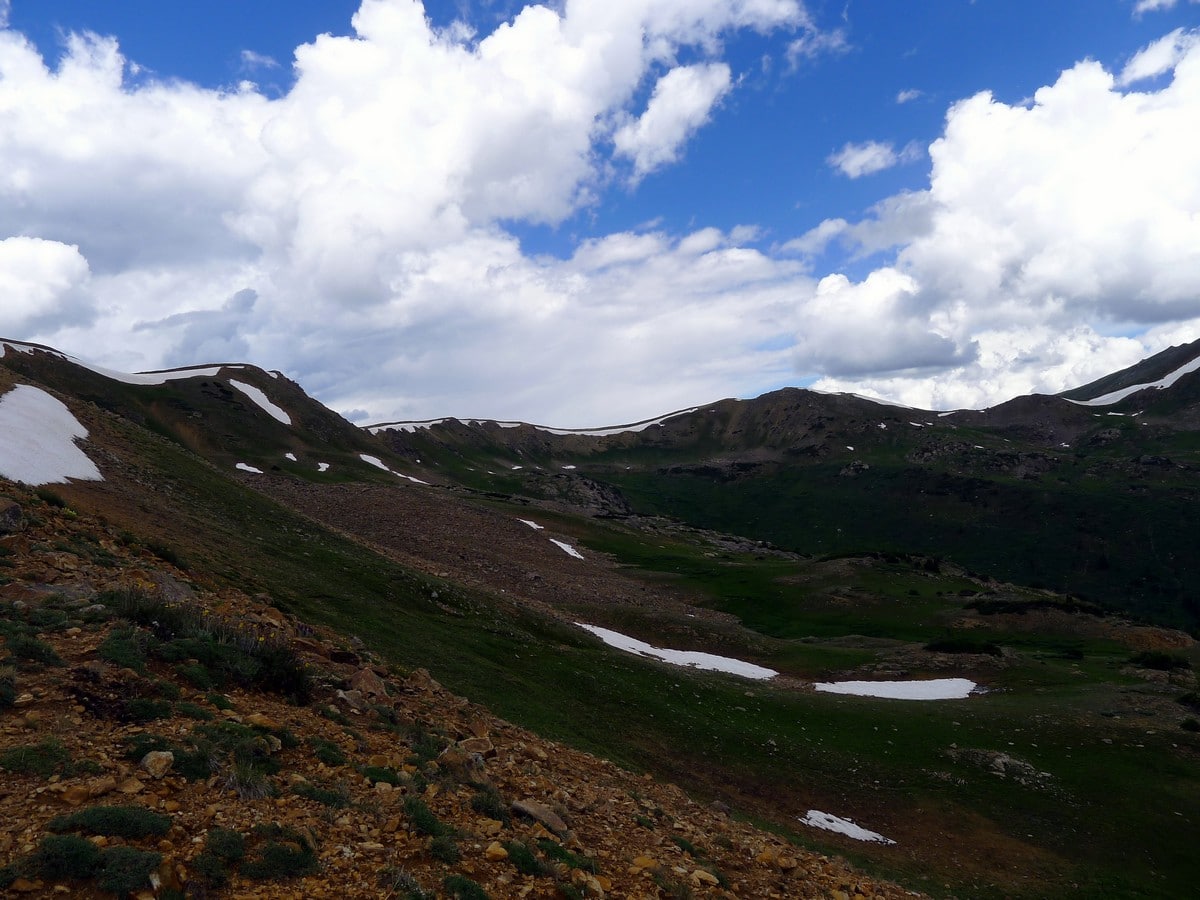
(882, 762)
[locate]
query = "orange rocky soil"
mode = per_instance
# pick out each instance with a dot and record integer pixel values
(380, 784)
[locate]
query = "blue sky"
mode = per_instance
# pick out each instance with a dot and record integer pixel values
(578, 216)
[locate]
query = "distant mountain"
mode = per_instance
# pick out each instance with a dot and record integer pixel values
(1090, 492)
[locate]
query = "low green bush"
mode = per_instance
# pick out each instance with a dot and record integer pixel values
(460, 887)
(488, 802)
(29, 649)
(114, 821)
(336, 797)
(284, 854)
(963, 644)
(43, 759)
(524, 859)
(561, 854)
(66, 856)
(327, 751)
(125, 647)
(125, 869)
(1160, 660)
(445, 849)
(422, 818)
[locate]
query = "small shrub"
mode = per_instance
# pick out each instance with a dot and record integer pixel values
(44, 759)
(375, 774)
(336, 797)
(327, 752)
(284, 855)
(167, 554)
(8, 686)
(248, 782)
(125, 869)
(50, 498)
(125, 647)
(220, 701)
(27, 648)
(225, 843)
(686, 846)
(66, 856)
(193, 711)
(671, 887)
(445, 849)
(524, 860)
(197, 676)
(47, 618)
(460, 887)
(143, 709)
(114, 821)
(963, 644)
(403, 884)
(1190, 724)
(1191, 700)
(561, 854)
(422, 818)
(210, 870)
(488, 802)
(1159, 659)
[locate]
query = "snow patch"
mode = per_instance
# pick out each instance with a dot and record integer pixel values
(1161, 384)
(534, 525)
(37, 439)
(689, 658)
(829, 822)
(322, 467)
(618, 429)
(567, 549)
(291, 456)
(929, 689)
(380, 464)
(262, 401)
(244, 467)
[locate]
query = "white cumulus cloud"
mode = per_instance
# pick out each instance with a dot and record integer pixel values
(869, 157)
(1046, 229)
(682, 102)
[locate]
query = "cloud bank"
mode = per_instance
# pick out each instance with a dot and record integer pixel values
(358, 232)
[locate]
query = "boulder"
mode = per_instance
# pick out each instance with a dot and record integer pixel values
(541, 813)
(158, 762)
(12, 517)
(368, 683)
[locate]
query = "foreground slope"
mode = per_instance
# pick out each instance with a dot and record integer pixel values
(368, 780)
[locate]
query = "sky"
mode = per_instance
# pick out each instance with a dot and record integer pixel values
(591, 212)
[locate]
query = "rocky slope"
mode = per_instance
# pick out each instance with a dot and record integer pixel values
(127, 686)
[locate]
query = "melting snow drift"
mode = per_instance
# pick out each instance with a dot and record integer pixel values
(262, 401)
(246, 467)
(818, 819)
(930, 689)
(534, 525)
(567, 548)
(37, 439)
(689, 658)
